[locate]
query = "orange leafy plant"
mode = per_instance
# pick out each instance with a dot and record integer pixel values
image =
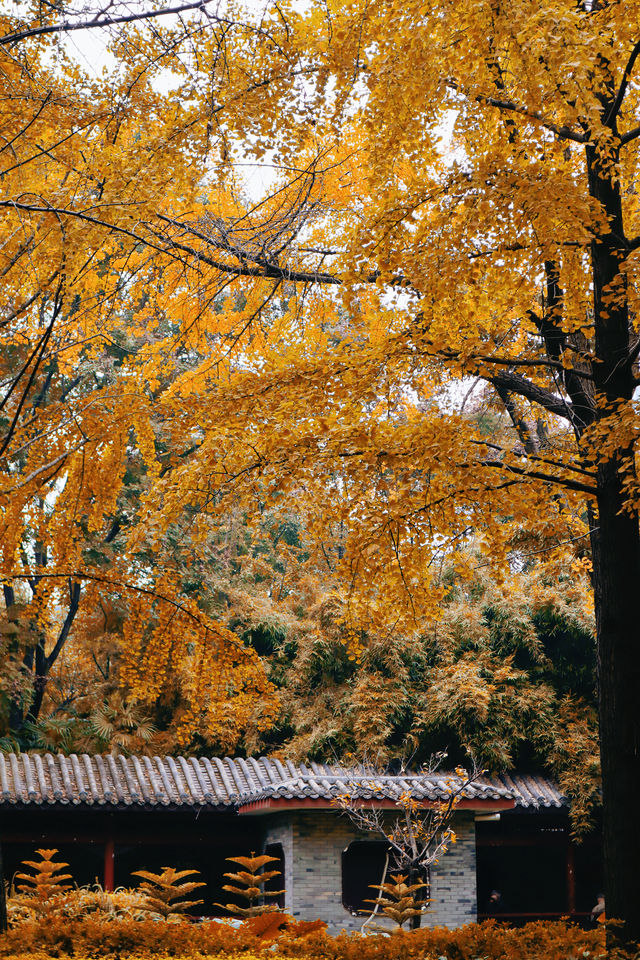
(41, 890)
(266, 926)
(305, 928)
(164, 891)
(253, 885)
(398, 899)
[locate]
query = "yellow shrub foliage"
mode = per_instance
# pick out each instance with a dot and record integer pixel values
(93, 937)
(79, 903)
(48, 918)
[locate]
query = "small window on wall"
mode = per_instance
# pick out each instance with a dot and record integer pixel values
(276, 883)
(363, 864)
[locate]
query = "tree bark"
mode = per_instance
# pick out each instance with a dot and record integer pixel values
(616, 573)
(3, 897)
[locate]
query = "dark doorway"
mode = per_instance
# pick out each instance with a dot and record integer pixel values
(536, 868)
(363, 867)
(276, 883)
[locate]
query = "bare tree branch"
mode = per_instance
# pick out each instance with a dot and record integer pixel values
(531, 391)
(565, 482)
(613, 111)
(521, 362)
(537, 458)
(629, 136)
(100, 20)
(27, 303)
(38, 353)
(52, 465)
(74, 603)
(122, 585)
(564, 132)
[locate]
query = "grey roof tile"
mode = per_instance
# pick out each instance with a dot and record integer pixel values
(216, 789)
(177, 787)
(235, 773)
(107, 792)
(258, 772)
(214, 782)
(142, 779)
(198, 771)
(28, 776)
(164, 779)
(56, 783)
(156, 787)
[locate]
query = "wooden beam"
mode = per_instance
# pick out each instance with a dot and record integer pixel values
(320, 803)
(571, 878)
(109, 864)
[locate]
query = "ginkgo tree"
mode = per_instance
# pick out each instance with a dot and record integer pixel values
(455, 199)
(85, 157)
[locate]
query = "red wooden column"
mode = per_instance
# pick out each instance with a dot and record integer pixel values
(571, 879)
(109, 858)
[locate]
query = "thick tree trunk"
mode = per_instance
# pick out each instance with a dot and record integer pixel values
(616, 562)
(616, 573)
(416, 875)
(3, 896)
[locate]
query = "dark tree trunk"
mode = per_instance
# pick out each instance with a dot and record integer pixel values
(3, 897)
(616, 564)
(616, 574)
(37, 665)
(418, 875)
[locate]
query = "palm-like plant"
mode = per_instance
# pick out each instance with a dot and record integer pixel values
(252, 887)
(163, 891)
(40, 891)
(398, 901)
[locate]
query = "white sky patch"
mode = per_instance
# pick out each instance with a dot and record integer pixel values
(90, 49)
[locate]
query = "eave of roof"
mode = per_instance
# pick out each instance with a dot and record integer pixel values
(248, 785)
(276, 804)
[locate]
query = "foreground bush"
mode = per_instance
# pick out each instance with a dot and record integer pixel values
(483, 941)
(280, 936)
(50, 918)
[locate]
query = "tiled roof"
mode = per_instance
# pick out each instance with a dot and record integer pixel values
(116, 781)
(320, 782)
(532, 791)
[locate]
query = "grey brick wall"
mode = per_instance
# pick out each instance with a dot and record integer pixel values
(453, 879)
(313, 843)
(280, 830)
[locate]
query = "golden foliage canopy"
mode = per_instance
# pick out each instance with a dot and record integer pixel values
(452, 199)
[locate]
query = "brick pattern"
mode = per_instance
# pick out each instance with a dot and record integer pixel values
(313, 842)
(453, 879)
(280, 830)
